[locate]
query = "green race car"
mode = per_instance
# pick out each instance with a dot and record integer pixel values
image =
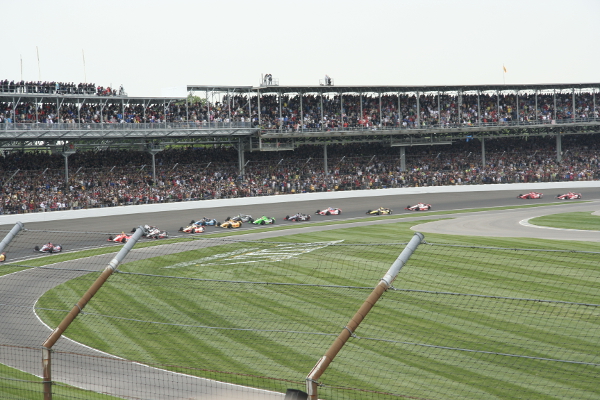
(264, 220)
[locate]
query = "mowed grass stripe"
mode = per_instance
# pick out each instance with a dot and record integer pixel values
(484, 324)
(573, 220)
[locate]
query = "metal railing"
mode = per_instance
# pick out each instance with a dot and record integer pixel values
(22, 128)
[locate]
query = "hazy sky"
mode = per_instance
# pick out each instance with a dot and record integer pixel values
(151, 45)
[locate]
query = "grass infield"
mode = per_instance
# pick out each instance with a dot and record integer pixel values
(575, 220)
(217, 354)
(205, 352)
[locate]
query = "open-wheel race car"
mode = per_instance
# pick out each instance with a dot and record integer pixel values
(297, 217)
(329, 211)
(231, 223)
(569, 196)
(380, 211)
(152, 232)
(192, 229)
(264, 220)
(49, 248)
(419, 207)
(120, 238)
(242, 218)
(531, 195)
(205, 222)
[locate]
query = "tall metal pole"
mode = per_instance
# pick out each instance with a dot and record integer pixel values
(353, 324)
(77, 309)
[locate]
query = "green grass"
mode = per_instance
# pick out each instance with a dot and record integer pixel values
(172, 321)
(15, 384)
(573, 220)
(248, 358)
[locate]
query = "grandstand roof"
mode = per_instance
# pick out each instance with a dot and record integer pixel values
(393, 89)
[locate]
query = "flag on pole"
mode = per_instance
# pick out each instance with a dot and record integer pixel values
(504, 68)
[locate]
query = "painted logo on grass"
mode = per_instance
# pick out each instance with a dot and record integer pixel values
(254, 255)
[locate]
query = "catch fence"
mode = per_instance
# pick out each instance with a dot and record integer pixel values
(217, 318)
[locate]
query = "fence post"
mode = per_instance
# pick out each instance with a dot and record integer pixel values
(384, 284)
(10, 235)
(57, 333)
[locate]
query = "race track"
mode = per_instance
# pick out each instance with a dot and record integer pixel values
(24, 288)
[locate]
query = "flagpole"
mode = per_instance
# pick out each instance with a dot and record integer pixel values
(21, 66)
(39, 70)
(84, 72)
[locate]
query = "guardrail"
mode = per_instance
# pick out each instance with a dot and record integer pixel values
(88, 126)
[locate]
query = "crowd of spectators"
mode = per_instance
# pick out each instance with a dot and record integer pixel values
(35, 181)
(312, 111)
(57, 88)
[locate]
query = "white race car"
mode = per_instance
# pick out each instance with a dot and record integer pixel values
(49, 248)
(419, 207)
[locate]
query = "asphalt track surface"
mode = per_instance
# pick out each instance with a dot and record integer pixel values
(24, 329)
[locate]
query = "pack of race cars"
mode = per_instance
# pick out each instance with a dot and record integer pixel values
(201, 225)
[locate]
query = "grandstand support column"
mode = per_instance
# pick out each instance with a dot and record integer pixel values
(558, 147)
(402, 158)
(341, 110)
(301, 114)
(241, 163)
(250, 107)
(517, 106)
(478, 109)
(380, 111)
(258, 103)
(154, 150)
(498, 105)
(573, 102)
(554, 104)
(361, 111)
(418, 111)
(536, 106)
(325, 168)
(66, 153)
(482, 152)
(439, 110)
(399, 113)
(322, 120)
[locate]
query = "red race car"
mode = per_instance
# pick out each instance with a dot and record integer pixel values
(531, 195)
(192, 229)
(569, 196)
(419, 207)
(120, 238)
(330, 211)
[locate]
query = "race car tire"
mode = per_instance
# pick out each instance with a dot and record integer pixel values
(519, 196)
(369, 212)
(36, 248)
(124, 240)
(181, 229)
(262, 222)
(328, 213)
(227, 219)
(287, 217)
(318, 211)
(229, 226)
(110, 238)
(251, 220)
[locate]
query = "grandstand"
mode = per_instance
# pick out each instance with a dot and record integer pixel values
(72, 148)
